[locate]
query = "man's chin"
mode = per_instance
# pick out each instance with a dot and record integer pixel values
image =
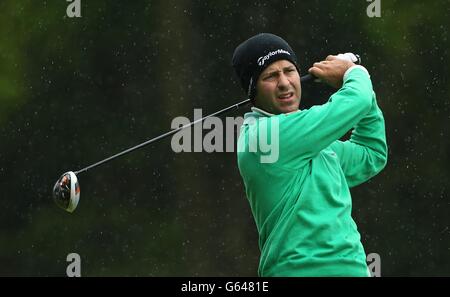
(279, 109)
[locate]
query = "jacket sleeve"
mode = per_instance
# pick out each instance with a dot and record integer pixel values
(304, 134)
(365, 154)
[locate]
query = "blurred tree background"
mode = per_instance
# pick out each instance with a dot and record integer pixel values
(76, 90)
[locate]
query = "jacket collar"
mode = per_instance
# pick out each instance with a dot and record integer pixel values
(262, 112)
(259, 113)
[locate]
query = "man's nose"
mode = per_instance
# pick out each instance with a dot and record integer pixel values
(283, 81)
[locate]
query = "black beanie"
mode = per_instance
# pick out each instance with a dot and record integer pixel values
(252, 56)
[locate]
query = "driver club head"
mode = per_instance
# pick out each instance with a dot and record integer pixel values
(66, 191)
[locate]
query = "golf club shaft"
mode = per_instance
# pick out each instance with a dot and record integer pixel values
(304, 78)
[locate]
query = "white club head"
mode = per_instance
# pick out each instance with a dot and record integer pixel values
(66, 192)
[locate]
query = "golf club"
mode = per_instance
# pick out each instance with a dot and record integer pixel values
(66, 191)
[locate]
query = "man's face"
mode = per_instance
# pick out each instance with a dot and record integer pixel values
(278, 88)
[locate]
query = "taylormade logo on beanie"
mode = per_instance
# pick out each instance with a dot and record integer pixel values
(261, 60)
(255, 54)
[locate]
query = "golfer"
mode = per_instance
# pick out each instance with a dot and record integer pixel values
(301, 201)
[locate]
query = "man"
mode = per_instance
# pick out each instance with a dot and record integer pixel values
(301, 203)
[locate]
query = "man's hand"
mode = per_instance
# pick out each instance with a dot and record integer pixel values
(331, 71)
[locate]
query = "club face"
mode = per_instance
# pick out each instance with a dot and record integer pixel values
(66, 192)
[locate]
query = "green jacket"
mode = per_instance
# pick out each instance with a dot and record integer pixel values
(301, 203)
